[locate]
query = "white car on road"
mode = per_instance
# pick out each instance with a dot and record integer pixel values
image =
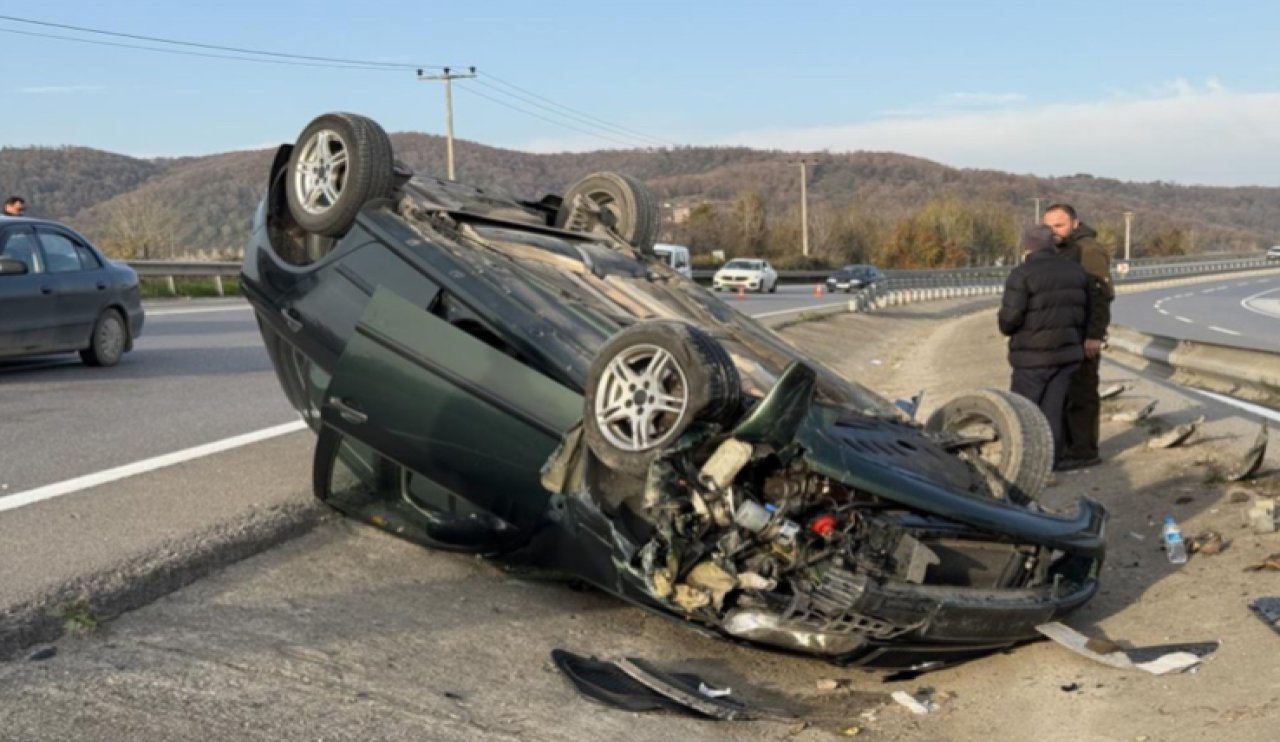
(752, 274)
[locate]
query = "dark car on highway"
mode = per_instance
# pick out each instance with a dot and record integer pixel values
(525, 379)
(852, 278)
(59, 293)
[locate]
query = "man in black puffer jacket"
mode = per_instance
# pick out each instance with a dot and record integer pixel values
(1044, 312)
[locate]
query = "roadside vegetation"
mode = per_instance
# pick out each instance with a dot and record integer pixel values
(192, 288)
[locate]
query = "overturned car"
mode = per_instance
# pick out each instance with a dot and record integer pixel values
(523, 379)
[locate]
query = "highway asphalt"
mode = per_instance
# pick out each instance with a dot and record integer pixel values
(197, 374)
(1241, 311)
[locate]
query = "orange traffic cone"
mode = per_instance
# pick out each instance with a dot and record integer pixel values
(818, 290)
(742, 293)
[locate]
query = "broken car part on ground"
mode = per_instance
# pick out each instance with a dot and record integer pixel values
(523, 379)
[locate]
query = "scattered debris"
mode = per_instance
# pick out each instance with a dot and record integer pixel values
(851, 731)
(1133, 416)
(1238, 495)
(913, 704)
(1271, 563)
(1249, 464)
(1262, 516)
(797, 728)
(1156, 660)
(609, 684)
(1070, 687)
(1177, 436)
(1136, 535)
(46, 652)
(710, 692)
(1268, 611)
(683, 689)
(1115, 390)
(830, 684)
(1208, 543)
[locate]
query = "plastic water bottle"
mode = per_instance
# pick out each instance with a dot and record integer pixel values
(1175, 548)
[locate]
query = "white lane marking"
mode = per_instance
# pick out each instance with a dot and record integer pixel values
(1247, 406)
(58, 489)
(1223, 329)
(196, 310)
(1163, 311)
(1247, 303)
(1184, 319)
(798, 309)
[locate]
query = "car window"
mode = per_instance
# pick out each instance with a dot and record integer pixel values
(87, 259)
(60, 253)
(681, 260)
(20, 244)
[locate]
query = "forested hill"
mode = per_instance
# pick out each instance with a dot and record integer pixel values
(864, 204)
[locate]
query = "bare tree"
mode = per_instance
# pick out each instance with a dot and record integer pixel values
(140, 227)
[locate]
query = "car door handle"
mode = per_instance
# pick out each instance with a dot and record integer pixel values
(46, 289)
(292, 319)
(348, 410)
(102, 285)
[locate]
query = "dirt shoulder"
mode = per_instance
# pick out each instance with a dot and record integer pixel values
(347, 633)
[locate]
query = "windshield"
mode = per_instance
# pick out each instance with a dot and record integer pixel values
(743, 265)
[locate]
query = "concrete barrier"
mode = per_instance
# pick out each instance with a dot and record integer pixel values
(1248, 374)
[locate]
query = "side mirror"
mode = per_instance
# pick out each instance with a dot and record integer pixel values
(11, 267)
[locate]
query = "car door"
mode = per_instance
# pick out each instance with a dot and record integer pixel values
(27, 301)
(770, 276)
(467, 421)
(81, 289)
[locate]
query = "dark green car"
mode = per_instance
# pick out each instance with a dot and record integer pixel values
(523, 379)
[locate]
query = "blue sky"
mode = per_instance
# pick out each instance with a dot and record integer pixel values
(1177, 91)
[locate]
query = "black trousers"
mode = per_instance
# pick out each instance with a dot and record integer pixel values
(1047, 387)
(1084, 411)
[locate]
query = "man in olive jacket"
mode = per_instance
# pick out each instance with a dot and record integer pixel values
(1044, 312)
(1078, 242)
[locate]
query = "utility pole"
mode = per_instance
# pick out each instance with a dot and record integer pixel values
(804, 205)
(1128, 223)
(1037, 199)
(448, 78)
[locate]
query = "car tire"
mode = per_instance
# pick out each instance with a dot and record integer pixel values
(774, 288)
(630, 206)
(1021, 454)
(339, 163)
(107, 342)
(663, 356)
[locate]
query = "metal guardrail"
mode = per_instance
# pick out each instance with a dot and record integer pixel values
(170, 269)
(894, 279)
(966, 276)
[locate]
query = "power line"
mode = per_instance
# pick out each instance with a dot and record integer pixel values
(597, 120)
(473, 91)
(583, 118)
(263, 56)
(184, 53)
(218, 47)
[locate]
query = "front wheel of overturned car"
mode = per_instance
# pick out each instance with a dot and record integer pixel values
(1005, 435)
(648, 385)
(620, 202)
(340, 162)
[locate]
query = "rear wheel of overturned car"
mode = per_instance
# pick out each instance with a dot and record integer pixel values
(1008, 437)
(108, 341)
(339, 163)
(619, 202)
(648, 385)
